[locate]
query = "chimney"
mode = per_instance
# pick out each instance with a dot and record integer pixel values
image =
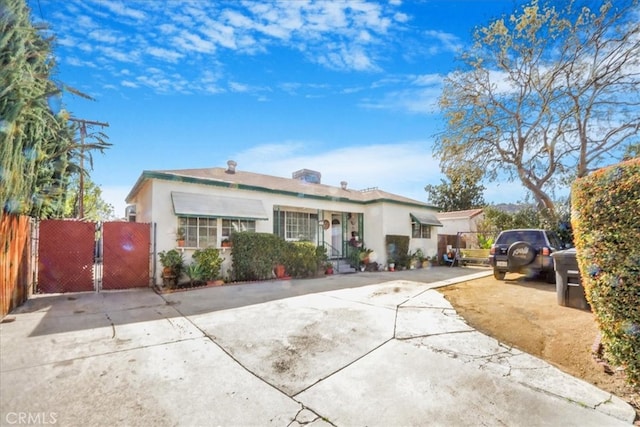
(231, 166)
(343, 184)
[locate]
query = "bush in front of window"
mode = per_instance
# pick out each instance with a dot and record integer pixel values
(209, 261)
(255, 255)
(303, 259)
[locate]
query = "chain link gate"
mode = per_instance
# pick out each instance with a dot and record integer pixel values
(126, 253)
(77, 256)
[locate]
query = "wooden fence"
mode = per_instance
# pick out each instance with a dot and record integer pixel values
(16, 261)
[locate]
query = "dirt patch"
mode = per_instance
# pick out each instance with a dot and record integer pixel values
(525, 314)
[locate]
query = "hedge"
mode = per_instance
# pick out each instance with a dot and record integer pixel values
(605, 219)
(255, 256)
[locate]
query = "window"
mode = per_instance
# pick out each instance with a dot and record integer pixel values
(199, 232)
(229, 226)
(296, 226)
(420, 231)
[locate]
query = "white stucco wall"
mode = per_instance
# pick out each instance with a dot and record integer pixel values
(396, 220)
(453, 226)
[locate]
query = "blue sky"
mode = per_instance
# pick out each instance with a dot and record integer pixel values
(347, 88)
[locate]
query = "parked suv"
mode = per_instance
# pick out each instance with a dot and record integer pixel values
(525, 251)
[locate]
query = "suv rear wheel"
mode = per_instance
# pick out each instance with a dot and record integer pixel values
(521, 254)
(499, 275)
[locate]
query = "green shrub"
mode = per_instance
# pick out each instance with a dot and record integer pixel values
(173, 261)
(255, 255)
(302, 259)
(209, 261)
(195, 272)
(604, 218)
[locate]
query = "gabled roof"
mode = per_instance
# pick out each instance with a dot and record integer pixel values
(466, 214)
(272, 184)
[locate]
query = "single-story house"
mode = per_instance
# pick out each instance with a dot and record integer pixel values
(208, 205)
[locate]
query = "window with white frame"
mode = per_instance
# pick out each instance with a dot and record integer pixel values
(230, 226)
(420, 231)
(199, 232)
(296, 226)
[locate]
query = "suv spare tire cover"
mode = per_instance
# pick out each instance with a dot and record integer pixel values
(521, 254)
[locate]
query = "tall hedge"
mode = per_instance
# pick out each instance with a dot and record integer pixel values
(255, 255)
(606, 223)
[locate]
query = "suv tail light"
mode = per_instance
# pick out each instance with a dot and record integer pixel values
(546, 251)
(492, 251)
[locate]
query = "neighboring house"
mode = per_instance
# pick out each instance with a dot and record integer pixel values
(460, 221)
(455, 222)
(208, 205)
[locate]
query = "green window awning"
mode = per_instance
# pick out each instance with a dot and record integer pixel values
(426, 218)
(203, 205)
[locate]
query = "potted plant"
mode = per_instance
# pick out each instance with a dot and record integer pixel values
(392, 264)
(419, 257)
(180, 237)
(328, 268)
(195, 271)
(433, 261)
(172, 262)
(226, 243)
(210, 262)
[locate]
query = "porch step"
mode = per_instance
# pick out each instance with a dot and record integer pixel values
(345, 268)
(341, 266)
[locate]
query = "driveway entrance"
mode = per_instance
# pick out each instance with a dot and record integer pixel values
(391, 353)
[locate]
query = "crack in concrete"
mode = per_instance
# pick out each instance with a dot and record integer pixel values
(342, 368)
(113, 326)
(66, 361)
(436, 334)
(302, 422)
(604, 402)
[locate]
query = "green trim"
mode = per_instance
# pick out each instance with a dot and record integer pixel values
(146, 175)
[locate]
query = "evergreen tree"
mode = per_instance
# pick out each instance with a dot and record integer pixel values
(38, 148)
(460, 191)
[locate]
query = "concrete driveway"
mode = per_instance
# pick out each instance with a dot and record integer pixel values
(367, 349)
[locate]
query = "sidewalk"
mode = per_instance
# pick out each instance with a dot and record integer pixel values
(377, 349)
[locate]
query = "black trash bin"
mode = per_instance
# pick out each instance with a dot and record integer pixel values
(569, 288)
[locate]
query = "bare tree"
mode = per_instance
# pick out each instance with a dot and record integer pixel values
(546, 96)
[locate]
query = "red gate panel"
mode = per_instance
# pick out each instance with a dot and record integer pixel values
(126, 248)
(65, 256)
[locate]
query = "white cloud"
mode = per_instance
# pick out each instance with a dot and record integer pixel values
(221, 34)
(118, 55)
(428, 80)
(447, 42)
(77, 62)
(416, 101)
(122, 10)
(401, 17)
(403, 168)
(165, 54)
(167, 28)
(342, 35)
(193, 42)
(105, 36)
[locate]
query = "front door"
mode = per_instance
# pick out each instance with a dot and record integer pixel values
(336, 238)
